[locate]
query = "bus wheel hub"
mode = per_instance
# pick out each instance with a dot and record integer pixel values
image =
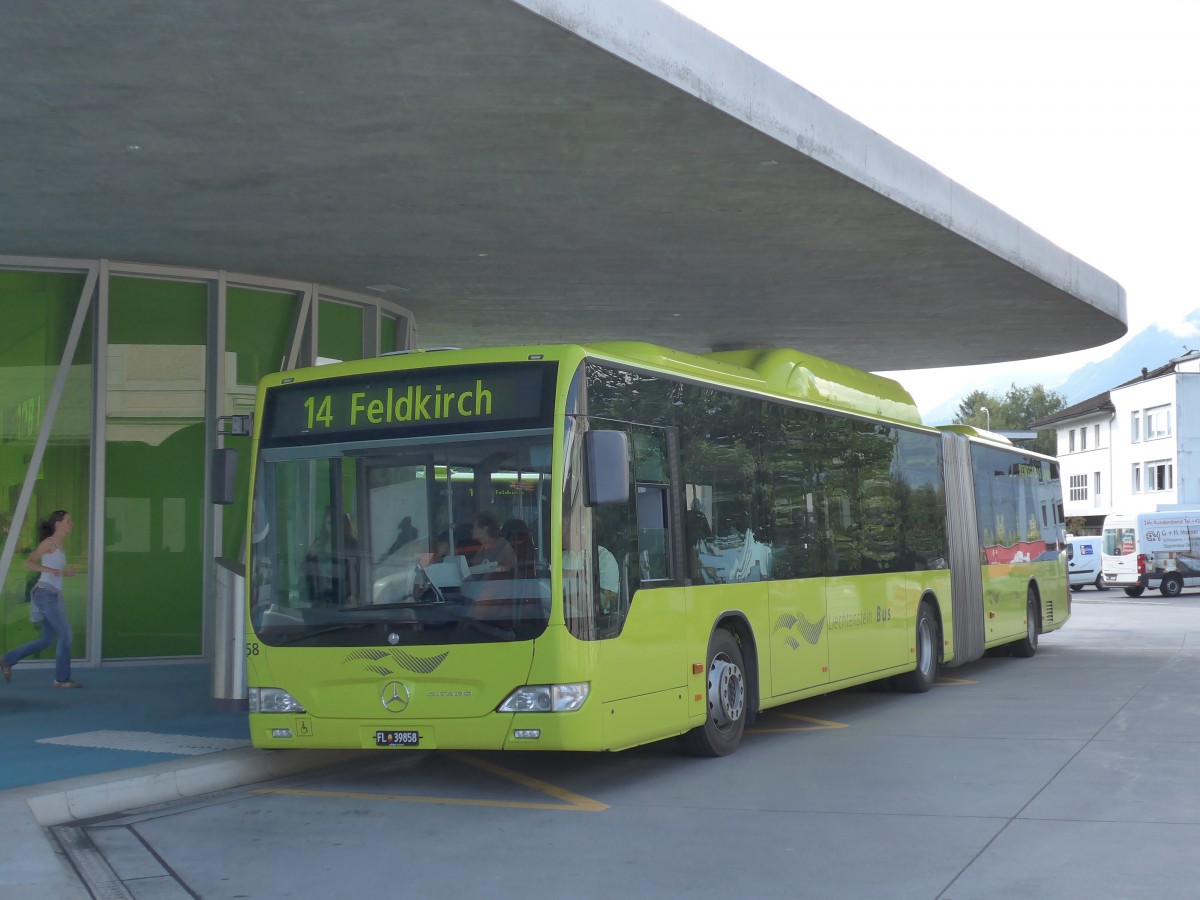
(726, 692)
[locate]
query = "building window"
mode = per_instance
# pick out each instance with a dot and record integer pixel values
(1079, 487)
(1137, 478)
(1071, 441)
(1082, 438)
(1096, 486)
(1097, 435)
(1158, 422)
(1135, 429)
(1160, 475)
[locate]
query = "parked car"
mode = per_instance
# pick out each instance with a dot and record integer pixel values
(1083, 563)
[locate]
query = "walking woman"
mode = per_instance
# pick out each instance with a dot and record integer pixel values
(48, 607)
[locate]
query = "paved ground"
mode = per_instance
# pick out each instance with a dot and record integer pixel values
(1073, 774)
(125, 716)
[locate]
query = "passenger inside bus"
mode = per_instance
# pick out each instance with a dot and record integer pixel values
(520, 538)
(494, 556)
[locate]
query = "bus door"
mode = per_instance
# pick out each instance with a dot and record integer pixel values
(648, 653)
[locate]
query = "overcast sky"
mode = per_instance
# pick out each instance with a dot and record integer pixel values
(1080, 119)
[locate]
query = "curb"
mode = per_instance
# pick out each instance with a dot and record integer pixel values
(32, 861)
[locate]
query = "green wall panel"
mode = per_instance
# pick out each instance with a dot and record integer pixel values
(36, 312)
(154, 540)
(154, 469)
(258, 330)
(339, 331)
(388, 341)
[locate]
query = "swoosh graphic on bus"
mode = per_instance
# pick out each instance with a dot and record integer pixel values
(810, 631)
(418, 664)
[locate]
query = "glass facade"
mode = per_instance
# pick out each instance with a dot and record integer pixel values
(340, 331)
(116, 382)
(257, 327)
(154, 468)
(44, 439)
(390, 337)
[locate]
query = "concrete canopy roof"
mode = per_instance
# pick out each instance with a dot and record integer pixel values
(539, 170)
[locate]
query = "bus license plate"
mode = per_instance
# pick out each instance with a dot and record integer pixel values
(397, 738)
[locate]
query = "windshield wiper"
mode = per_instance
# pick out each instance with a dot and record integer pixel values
(327, 629)
(502, 634)
(404, 604)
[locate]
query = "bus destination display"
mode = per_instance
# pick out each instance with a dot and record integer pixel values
(475, 396)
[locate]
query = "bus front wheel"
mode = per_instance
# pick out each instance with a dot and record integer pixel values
(726, 695)
(1171, 586)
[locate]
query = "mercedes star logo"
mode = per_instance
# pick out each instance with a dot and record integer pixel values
(395, 696)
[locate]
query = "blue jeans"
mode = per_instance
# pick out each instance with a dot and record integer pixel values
(55, 627)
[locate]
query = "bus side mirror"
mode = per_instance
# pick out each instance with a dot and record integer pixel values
(223, 476)
(607, 467)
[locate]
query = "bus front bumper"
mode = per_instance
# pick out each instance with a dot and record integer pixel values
(498, 731)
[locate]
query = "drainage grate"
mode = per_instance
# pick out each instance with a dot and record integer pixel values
(93, 870)
(147, 742)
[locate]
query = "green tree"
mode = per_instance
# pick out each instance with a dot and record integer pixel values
(970, 408)
(1013, 412)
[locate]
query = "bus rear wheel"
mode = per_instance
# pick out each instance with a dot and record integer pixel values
(1028, 645)
(1135, 591)
(1100, 584)
(726, 695)
(1171, 586)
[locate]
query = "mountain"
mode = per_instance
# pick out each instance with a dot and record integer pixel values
(1149, 349)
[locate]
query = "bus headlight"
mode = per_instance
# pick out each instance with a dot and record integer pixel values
(273, 700)
(546, 698)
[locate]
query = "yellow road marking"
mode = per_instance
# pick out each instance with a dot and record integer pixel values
(817, 724)
(948, 681)
(406, 798)
(576, 801)
(571, 802)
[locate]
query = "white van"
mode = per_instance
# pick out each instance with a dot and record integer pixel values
(1083, 563)
(1152, 550)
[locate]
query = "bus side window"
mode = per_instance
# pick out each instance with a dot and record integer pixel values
(653, 537)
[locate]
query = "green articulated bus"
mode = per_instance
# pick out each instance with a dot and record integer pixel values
(591, 547)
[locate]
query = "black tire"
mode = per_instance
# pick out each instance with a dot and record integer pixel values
(1101, 585)
(1077, 587)
(726, 693)
(1027, 646)
(1171, 585)
(1135, 591)
(921, 679)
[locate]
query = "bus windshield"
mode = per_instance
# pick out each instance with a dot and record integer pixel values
(420, 541)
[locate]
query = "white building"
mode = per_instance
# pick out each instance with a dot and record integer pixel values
(1135, 448)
